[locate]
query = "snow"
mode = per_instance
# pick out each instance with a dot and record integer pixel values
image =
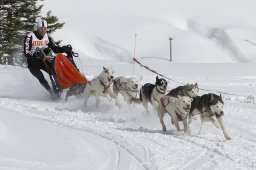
(37, 133)
(209, 48)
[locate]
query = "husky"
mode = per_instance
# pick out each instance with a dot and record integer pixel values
(128, 87)
(101, 85)
(177, 107)
(190, 90)
(151, 93)
(210, 107)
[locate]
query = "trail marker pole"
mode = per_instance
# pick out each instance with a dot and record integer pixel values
(170, 39)
(135, 36)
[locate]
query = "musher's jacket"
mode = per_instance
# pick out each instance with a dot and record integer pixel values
(33, 40)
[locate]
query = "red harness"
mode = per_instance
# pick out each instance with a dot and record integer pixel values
(165, 100)
(120, 85)
(179, 116)
(104, 87)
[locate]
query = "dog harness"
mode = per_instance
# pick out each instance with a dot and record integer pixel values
(120, 85)
(180, 117)
(165, 100)
(105, 87)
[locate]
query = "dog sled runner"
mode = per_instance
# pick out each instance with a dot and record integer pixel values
(64, 73)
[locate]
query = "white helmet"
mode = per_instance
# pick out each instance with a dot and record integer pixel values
(41, 23)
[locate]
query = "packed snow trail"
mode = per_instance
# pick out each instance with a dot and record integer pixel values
(136, 147)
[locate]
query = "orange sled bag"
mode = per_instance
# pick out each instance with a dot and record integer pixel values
(66, 73)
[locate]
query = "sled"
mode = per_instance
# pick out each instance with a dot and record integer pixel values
(63, 73)
(66, 73)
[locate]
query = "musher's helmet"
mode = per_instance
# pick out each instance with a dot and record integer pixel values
(41, 23)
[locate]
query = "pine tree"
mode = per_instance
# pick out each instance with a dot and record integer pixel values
(17, 18)
(10, 26)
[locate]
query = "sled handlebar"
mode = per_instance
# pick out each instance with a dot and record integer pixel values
(44, 56)
(75, 54)
(71, 51)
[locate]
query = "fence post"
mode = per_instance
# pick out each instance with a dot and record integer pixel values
(170, 39)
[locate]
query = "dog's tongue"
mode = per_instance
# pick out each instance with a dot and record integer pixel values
(187, 109)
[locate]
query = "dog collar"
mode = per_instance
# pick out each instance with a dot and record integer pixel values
(211, 113)
(101, 82)
(119, 85)
(219, 115)
(159, 91)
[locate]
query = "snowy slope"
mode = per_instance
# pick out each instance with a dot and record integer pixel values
(203, 31)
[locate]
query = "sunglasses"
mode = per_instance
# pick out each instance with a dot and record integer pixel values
(43, 28)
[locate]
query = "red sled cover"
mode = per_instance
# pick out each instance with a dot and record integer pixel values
(66, 72)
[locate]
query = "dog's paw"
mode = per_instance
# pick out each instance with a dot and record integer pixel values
(228, 138)
(180, 133)
(188, 132)
(118, 105)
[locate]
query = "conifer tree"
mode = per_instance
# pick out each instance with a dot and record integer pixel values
(17, 18)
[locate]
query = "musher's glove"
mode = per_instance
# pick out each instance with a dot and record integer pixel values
(66, 48)
(38, 54)
(47, 51)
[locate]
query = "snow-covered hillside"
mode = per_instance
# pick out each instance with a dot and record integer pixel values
(202, 31)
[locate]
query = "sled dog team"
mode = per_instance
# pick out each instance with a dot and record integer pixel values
(181, 103)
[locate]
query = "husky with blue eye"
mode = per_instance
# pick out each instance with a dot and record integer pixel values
(151, 93)
(210, 107)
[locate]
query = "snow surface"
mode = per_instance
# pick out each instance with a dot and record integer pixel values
(37, 133)
(209, 48)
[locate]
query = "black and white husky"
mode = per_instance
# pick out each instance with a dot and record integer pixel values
(210, 107)
(190, 90)
(151, 93)
(101, 85)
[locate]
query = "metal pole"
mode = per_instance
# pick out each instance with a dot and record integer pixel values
(170, 39)
(134, 55)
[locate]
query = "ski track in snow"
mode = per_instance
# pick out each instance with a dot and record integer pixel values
(153, 149)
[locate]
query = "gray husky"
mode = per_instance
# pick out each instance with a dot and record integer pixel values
(210, 108)
(190, 90)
